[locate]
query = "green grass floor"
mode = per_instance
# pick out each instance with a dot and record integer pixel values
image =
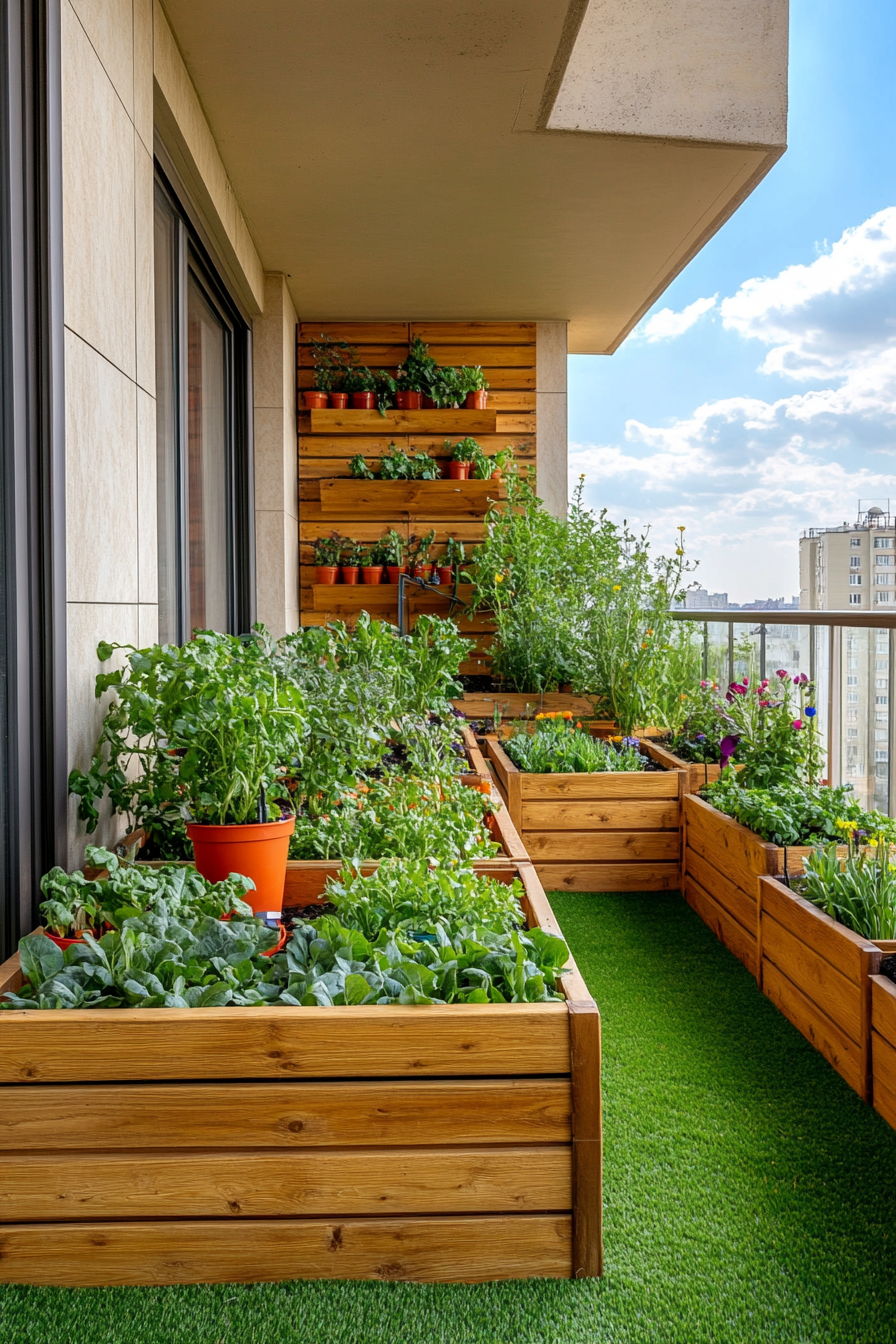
(748, 1197)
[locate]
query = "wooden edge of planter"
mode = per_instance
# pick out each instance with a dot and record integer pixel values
(758, 854)
(503, 829)
(883, 1007)
(883, 1047)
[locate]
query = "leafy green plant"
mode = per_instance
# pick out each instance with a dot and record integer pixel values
(445, 388)
(556, 745)
(359, 469)
(455, 553)
(359, 378)
(858, 891)
(419, 371)
(772, 734)
(407, 893)
(352, 553)
(373, 555)
(700, 736)
(328, 550)
(418, 548)
(386, 387)
(394, 546)
(332, 362)
(398, 465)
(470, 380)
(399, 815)
(465, 450)
(795, 814)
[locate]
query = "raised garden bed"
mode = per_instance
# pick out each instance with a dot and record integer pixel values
(698, 773)
(436, 1144)
(818, 973)
(883, 1046)
(597, 832)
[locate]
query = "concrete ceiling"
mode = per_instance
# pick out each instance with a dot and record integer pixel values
(393, 159)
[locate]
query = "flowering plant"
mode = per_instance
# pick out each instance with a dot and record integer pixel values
(858, 890)
(771, 730)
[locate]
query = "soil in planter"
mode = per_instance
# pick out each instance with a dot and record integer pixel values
(291, 913)
(888, 967)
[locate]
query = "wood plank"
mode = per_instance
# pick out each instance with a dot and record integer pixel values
(434, 444)
(351, 1182)
(550, 789)
(721, 832)
(835, 995)
(609, 846)
(587, 1144)
(661, 814)
(741, 905)
(356, 333)
(372, 446)
(505, 832)
(829, 1039)
(286, 1115)
(404, 422)
(884, 1063)
(307, 878)
(365, 1042)
(513, 422)
(839, 946)
(11, 977)
(483, 333)
(885, 1102)
(468, 532)
(733, 935)
(540, 913)
(343, 497)
(609, 876)
(883, 1007)
(518, 356)
(465, 1249)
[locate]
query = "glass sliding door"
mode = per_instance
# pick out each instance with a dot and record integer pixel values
(202, 438)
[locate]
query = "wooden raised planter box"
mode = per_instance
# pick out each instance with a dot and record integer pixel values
(344, 497)
(818, 973)
(698, 775)
(461, 422)
(435, 1144)
(883, 1046)
(514, 705)
(596, 832)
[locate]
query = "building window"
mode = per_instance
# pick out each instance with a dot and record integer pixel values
(852, 732)
(855, 580)
(881, 683)
(883, 578)
(855, 561)
(885, 597)
(202, 437)
(880, 754)
(855, 541)
(855, 599)
(883, 560)
(852, 681)
(853, 697)
(883, 544)
(880, 700)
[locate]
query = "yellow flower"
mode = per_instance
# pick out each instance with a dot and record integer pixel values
(681, 527)
(679, 551)
(844, 826)
(499, 578)
(616, 587)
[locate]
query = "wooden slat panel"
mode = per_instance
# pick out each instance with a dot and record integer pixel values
(838, 1049)
(306, 878)
(434, 444)
(511, 422)
(740, 904)
(491, 355)
(587, 1147)
(735, 937)
(599, 815)
(481, 333)
(343, 497)
(574, 846)
(44, 1187)
(356, 333)
(816, 930)
(551, 789)
(369, 530)
(404, 422)
(286, 1115)
(883, 1007)
(720, 833)
(833, 993)
(498, 378)
(345, 446)
(884, 1097)
(365, 1042)
(883, 1062)
(609, 876)
(424, 1250)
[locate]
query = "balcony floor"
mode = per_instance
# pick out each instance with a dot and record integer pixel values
(747, 1189)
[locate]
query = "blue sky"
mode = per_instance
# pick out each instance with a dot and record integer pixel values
(770, 406)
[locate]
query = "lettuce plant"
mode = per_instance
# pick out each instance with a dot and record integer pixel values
(416, 894)
(558, 746)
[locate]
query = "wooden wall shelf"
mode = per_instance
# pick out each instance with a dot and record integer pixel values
(381, 596)
(347, 497)
(461, 423)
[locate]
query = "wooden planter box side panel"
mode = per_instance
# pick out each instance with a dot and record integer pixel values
(883, 1047)
(729, 930)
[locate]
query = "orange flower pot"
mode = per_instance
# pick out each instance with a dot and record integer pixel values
(458, 471)
(363, 401)
(476, 401)
(372, 574)
(446, 575)
(256, 850)
(394, 571)
(338, 401)
(315, 401)
(327, 573)
(350, 574)
(409, 401)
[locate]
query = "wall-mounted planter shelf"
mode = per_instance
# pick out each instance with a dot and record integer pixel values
(346, 497)
(377, 596)
(404, 422)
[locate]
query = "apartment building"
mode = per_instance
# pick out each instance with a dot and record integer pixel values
(853, 565)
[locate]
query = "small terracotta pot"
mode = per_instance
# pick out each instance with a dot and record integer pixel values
(393, 572)
(446, 575)
(338, 400)
(350, 574)
(363, 401)
(458, 471)
(372, 574)
(423, 572)
(327, 573)
(70, 942)
(409, 401)
(257, 850)
(428, 404)
(315, 401)
(476, 401)
(497, 474)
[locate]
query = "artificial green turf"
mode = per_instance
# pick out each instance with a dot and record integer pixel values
(748, 1190)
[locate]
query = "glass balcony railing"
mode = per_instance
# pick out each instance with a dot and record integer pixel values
(851, 658)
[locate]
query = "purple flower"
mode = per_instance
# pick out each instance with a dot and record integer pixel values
(782, 674)
(701, 737)
(727, 748)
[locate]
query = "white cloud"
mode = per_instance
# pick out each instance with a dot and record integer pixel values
(746, 474)
(666, 324)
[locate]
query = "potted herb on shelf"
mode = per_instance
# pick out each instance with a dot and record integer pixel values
(446, 391)
(372, 562)
(352, 555)
(359, 469)
(464, 455)
(414, 378)
(360, 384)
(332, 362)
(452, 560)
(418, 555)
(472, 386)
(393, 547)
(327, 555)
(397, 465)
(496, 466)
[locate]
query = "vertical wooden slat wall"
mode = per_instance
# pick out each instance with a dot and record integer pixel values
(507, 353)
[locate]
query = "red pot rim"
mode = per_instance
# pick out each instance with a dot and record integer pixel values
(245, 831)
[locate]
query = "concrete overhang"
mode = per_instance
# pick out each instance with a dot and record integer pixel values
(518, 158)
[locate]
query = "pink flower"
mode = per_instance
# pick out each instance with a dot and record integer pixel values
(764, 704)
(797, 723)
(763, 684)
(782, 674)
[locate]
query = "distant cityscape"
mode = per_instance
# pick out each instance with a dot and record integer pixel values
(699, 599)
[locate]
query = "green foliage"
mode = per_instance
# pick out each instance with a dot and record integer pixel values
(328, 550)
(75, 903)
(332, 362)
(470, 379)
(419, 371)
(352, 553)
(700, 734)
(394, 545)
(455, 553)
(794, 814)
(858, 891)
(359, 378)
(418, 548)
(386, 388)
(399, 815)
(445, 388)
(555, 745)
(397, 465)
(465, 450)
(359, 469)
(405, 893)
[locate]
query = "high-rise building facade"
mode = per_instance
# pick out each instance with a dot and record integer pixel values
(853, 565)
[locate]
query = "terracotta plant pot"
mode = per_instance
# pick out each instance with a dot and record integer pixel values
(372, 574)
(423, 572)
(497, 474)
(257, 850)
(476, 401)
(446, 575)
(280, 943)
(458, 471)
(394, 571)
(69, 942)
(338, 401)
(428, 404)
(350, 574)
(409, 401)
(327, 573)
(363, 401)
(315, 401)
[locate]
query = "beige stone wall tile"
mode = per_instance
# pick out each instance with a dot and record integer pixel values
(147, 500)
(110, 29)
(144, 299)
(101, 478)
(98, 202)
(87, 624)
(277, 568)
(143, 71)
(147, 624)
(275, 467)
(553, 486)
(550, 356)
(267, 345)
